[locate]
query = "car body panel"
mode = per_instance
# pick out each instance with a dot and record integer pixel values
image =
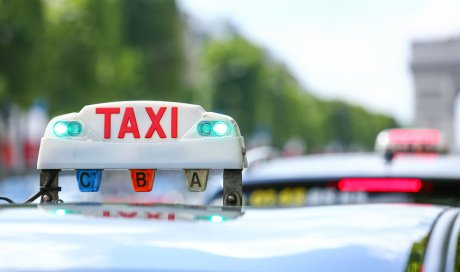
(333, 238)
(315, 180)
(355, 165)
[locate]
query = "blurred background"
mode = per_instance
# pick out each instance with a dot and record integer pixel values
(302, 76)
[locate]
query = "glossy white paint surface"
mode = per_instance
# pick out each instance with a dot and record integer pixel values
(335, 238)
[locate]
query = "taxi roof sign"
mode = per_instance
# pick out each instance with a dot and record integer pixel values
(144, 136)
(415, 140)
(140, 134)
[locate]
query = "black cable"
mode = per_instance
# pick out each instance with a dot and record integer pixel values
(32, 199)
(41, 192)
(7, 200)
(43, 189)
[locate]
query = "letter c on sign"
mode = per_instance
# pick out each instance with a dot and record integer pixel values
(82, 182)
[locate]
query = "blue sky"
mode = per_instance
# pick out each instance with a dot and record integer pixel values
(355, 50)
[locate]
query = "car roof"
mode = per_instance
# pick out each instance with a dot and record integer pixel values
(356, 165)
(333, 238)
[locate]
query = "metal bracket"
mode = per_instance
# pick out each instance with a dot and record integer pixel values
(233, 188)
(389, 156)
(49, 184)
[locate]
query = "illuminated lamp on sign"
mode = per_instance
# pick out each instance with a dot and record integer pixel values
(211, 218)
(415, 136)
(142, 179)
(205, 128)
(89, 180)
(220, 128)
(213, 128)
(65, 128)
(404, 185)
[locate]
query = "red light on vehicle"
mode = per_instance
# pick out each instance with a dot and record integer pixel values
(142, 179)
(414, 136)
(403, 185)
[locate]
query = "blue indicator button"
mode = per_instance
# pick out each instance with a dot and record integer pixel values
(89, 180)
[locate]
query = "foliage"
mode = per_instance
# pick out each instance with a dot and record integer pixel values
(79, 52)
(76, 52)
(21, 48)
(261, 94)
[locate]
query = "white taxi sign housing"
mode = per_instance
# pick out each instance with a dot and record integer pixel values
(142, 134)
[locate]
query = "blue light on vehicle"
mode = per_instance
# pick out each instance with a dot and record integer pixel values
(217, 219)
(213, 128)
(66, 128)
(74, 128)
(220, 128)
(89, 180)
(60, 129)
(59, 211)
(62, 211)
(211, 218)
(205, 128)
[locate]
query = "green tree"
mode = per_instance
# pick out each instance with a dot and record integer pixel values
(154, 29)
(107, 50)
(21, 39)
(261, 93)
(235, 70)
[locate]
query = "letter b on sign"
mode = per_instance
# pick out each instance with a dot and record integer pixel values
(142, 179)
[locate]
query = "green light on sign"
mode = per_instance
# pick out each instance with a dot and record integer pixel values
(205, 128)
(220, 128)
(211, 218)
(64, 128)
(214, 128)
(217, 219)
(74, 128)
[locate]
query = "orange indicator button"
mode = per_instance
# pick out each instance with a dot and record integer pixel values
(142, 179)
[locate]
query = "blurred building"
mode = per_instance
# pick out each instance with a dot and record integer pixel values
(20, 134)
(436, 71)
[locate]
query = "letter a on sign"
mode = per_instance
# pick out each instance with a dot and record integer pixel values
(196, 179)
(142, 179)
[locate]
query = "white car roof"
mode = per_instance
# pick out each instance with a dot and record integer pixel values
(357, 165)
(334, 238)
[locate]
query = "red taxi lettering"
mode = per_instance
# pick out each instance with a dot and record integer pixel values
(120, 213)
(158, 215)
(174, 122)
(107, 119)
(147, 215)
(129, 122)
(152, 215)
(155, 126)
(127, 214)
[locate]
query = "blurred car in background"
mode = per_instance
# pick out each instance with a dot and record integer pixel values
(409, 167)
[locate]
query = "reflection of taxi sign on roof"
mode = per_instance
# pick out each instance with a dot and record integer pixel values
(417, 141)
(142, 136)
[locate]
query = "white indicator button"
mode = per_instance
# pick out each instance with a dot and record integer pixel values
(196, 179)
